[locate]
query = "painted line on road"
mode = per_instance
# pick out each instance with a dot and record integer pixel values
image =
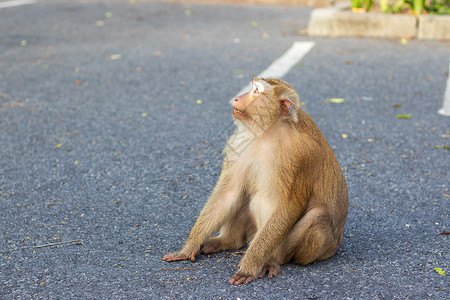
(14, 3)
(445, 110)
(283, 64)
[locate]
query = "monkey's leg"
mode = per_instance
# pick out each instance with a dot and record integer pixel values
(313, 238)
(214, 214)
(233, 234)
(263, 246)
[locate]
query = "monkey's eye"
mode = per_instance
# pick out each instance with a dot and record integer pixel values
(258, 88)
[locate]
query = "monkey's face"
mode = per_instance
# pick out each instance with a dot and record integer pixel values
(255, 105)
(242, 104)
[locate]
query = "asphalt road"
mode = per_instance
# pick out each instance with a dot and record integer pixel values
(104, 145)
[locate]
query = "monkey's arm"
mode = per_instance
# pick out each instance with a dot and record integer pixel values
(221, 204)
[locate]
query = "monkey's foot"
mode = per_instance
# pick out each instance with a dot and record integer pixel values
(211, 246)
(178, 256)
(271, 269)
(241, 278)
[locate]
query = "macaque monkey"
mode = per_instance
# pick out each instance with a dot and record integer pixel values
(281, 189)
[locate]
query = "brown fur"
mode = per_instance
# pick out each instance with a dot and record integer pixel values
(281, 189)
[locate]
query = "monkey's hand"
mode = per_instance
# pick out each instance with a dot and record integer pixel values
(181, 256)
(240, 277)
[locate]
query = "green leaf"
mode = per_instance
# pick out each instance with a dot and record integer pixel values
(404, 117)
(439, 271)
(115, 56)
(442, 147)
(335, 100)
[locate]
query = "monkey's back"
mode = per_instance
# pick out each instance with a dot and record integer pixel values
(329, 187)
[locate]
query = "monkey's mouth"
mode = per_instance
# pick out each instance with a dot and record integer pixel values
(239, 114)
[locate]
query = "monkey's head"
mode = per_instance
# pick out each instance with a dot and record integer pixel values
(268, 101)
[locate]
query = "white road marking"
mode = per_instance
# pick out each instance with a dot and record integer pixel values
(445, 110)
(283, 64)
(16, 3)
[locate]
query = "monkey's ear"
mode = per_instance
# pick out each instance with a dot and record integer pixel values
(285, 105)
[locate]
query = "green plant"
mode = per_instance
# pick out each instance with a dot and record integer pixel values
(365, 4)
(400, 6)
(384, 6)
(368, 4)
(356, 3)
(438, 7)
(417, 6)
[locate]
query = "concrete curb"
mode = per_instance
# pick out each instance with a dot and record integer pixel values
(339, 21)
(434, 27)
(308, 3)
